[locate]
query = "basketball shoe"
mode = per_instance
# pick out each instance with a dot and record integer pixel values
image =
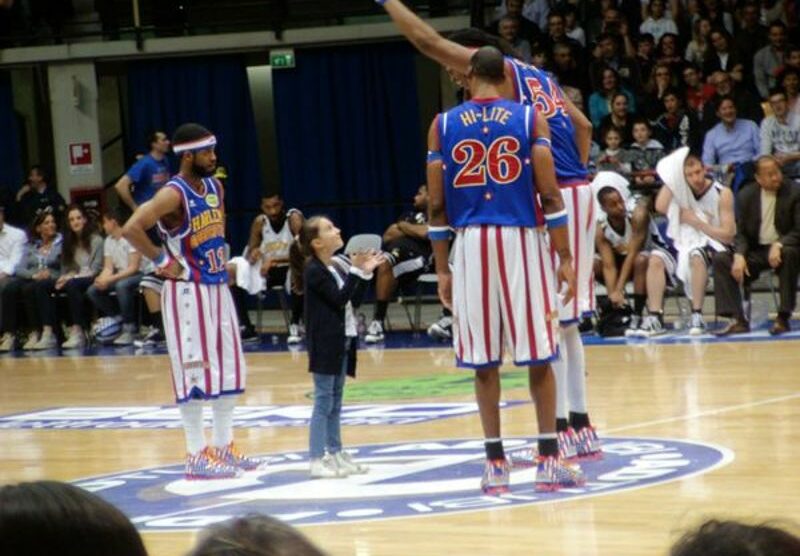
(496, 475)
(567, 444)
(554, 473)
(229, 455)
(204, 466)
(588, 444)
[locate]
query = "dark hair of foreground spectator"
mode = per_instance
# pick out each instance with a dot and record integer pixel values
(48, 517)
(730, 538)
(254, 535)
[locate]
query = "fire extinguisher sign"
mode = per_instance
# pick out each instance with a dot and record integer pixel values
(80, 158)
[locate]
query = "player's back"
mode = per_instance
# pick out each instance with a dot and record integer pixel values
(534, 87)
(486, 152)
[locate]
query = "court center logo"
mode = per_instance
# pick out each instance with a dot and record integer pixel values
(410, 479)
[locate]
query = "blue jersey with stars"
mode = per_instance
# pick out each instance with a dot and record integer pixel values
(199, 242)
(537, 88)
(486, 156)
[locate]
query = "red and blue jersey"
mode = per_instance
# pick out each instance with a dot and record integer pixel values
(536, 88)
(198, 243)
(485, 148)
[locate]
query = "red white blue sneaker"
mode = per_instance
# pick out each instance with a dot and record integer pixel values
(568, 444)
(495, 476)
(229, 455)
(588, 445)
(553, 473)
(204, 466)
(524, 458)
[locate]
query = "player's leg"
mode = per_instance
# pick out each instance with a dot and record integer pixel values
(653, 324)
(699, 262)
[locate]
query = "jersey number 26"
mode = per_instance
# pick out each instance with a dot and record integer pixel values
(499, 161)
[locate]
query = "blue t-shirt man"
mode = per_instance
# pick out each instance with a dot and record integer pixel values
(149, 174)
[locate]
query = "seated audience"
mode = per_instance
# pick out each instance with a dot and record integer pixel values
(643, 154)
(600, 100)
(729, 538)
(767, 237)
(747, 106)
(658, 23)
(37, 273)
(698, 47)
(253, 535)
(676, 127)
(508, 28)
(732, 141)
(619, 118)
(12, 248)
(667, 54)
(780, 135)
(612, 157)
(661, 80)
(36, 195)
(768, 62)
(81, 262)
(698, 93)
(48, 517)
(721, 57)
(121, 275)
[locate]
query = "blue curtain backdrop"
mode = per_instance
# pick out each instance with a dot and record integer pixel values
(10, 154)
(214, 93)
(347, 121)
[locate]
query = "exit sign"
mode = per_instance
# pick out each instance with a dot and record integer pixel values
(281, 59)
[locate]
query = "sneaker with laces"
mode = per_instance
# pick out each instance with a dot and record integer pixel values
(229, 455)
(633, 327)
(249, 335)
(76, 340)
(325, 468)
(697, 325)
(553, 473)
(345, 462)
(124, 339)
(588, 444)
(496, 476)
(47, 340)
(523, 458)
(31, 341)
(374, 332)
(204, 466)
(442, 329)
(7, 342)
(295, 336)
(152, 338)
(651, 326)
(567, 444)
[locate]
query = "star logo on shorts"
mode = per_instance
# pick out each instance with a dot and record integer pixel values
(485, 130)
(487, 196)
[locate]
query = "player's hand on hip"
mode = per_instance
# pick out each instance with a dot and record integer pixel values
(445, 289)
(173, 270)
(566, 280)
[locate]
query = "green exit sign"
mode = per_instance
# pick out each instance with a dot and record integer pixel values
(280, 59)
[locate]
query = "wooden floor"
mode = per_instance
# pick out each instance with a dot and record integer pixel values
(744, 396)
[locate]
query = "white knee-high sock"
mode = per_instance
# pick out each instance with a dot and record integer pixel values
(576, 368)
(192, 418)
(562, 385)
(222, 408)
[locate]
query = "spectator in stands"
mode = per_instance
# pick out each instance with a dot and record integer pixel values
(620, 240)
(508, 29)
(790, 83)
(645, 55)
(600, 101)
(643, 154)
(607, 55)
(557, 33)
(698, 47)
(722, 57)
(620, 118)
(768, 62)
(611, 158)
(676, 127)
(148, 174)
(669, 54)
(265, 263)
(780, 135)
(574, 31)
(121, 275)
(567, 71)
(732, 141)
(698, 93)
(12, 248)
(81, 262)
(717, 15)
(36, 195)
(718, 538)
(408, 254)
(36, 276)
(792, 59)
(658, 22)
(253, 535)
(48, 517)
(750, 35)
(747, 106)
(528, 29)
(767, 237)
(660, 81)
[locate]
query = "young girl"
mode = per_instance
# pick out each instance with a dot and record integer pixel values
(331, 286)
(611, 159)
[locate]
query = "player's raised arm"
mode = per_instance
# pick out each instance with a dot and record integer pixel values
(552, 202)
(165, 202)
(583, 130)
(439, 231)
(425, 38)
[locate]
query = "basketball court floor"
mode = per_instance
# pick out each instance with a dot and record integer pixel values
(693, 428)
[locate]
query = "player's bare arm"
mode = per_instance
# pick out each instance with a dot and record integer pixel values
(439, 227)
(166, 205)
(606, 253)
(416, 231)
(663, 199)
(640, 221)
(726, 231)
(426, 39)
(583, 130)
(253, 251)
(123, 189)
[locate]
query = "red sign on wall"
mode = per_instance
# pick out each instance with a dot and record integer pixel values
(80, 158)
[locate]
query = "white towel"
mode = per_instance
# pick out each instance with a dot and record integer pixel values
(686, 237)
(248, 276)
(615, 181)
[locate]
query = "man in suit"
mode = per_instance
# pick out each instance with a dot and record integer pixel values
(767, 237)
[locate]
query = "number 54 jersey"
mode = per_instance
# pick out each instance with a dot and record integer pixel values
(486, 157)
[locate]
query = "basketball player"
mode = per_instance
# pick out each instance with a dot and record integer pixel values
(200, 319)
(572, 137)
(484, 155)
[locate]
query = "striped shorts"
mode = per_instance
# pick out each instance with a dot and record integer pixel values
(504, 297)
(202, 333)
